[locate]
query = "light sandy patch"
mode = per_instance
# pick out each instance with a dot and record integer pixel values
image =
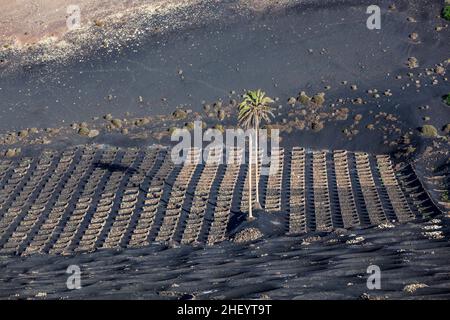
(29, 21)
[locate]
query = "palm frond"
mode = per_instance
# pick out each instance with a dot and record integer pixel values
(254, 108)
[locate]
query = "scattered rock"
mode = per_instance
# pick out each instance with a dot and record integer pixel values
(93, 133)
(247, 235)
(10, 153)
(116, 123)
(317, 126)
(309, 240)
(292, 101)
(414, 36)
(355, 240)
(385, 225)
(342, 114)
(440, 70)
(23, 134)
(141, 122)
(412, 63)
(358, 101)
(41, 295)
(411, 288)
(433, 235)
(391, 117)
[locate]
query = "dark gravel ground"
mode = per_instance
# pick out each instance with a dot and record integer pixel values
(317, 266)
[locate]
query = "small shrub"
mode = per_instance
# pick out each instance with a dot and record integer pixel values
(446, 128)
(446, 12)
(429, 131)
(179, 114)
(447, 99)
(189, 126)
(303, 98)
(292, 101)
(221, 114)
(219, 127)
(83, 131)
(410, 150)
(142, 122)
(172, 130)
(319, 99)
(444, 196)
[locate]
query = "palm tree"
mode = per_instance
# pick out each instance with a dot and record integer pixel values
(252, 110)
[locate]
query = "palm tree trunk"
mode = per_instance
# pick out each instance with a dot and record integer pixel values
(257, 204)
(250, 213)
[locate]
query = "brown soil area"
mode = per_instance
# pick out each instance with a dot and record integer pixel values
(25, 22)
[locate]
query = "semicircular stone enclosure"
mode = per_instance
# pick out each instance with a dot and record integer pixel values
(92, 197)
